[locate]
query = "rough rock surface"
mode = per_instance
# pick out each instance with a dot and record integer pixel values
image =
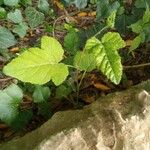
(119, 121)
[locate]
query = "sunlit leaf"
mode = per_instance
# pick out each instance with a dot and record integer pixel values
(39, 66)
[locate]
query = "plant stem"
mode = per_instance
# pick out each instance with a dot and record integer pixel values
(71, 66)
(101, 31)
(79, 84)
(136, 66)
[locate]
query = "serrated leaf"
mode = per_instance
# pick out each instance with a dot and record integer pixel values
(146, 16)
(84, 61)
(113, 41)
(7, 39)
(111, 20)
(43, 5)
(137, 27)
(41, 94)
(107, 57)
(10, 99)
(39, 66)
(71, 42)
(137, 41)
(34, 17)
(11, 2)
(15, 16)
(21, 29)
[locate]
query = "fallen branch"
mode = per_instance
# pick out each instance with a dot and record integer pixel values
(136, 66)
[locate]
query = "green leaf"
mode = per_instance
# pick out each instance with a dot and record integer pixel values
(146, 16)
(6, 38)
(79, 3)
(113, 41)
(43, 5)
(107, 57)
(84, 61)
(15, 16)
(41, 94)
(3, 13)
(39, 66)
(1, 2)
(26, 2)
(136, 42)
(104, 8)
(21, 29)
(63, 91)
(111, 20)
(142, 3)
(10, 99)
(11, 2)
(44, 109)
(137, 27)
(71, 42)
(34, 17)
(22, 119)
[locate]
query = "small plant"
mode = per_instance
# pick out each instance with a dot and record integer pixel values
(57, 70)
(141, 28)
(40, 65)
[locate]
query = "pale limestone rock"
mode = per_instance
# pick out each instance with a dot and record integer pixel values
(118, 121)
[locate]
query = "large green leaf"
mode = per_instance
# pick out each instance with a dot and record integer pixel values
(34, 17)
(6, 38)
(39, 66)
(107, 57)
(10, 98)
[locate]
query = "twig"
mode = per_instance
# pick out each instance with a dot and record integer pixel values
(136, 66)
(54, 24)
(6, 79)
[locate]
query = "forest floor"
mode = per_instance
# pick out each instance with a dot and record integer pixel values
(136, 68)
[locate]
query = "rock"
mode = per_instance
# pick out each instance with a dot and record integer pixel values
(116, 121)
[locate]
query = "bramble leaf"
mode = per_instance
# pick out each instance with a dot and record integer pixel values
(39, 66)
(107, 57)
(137, 41)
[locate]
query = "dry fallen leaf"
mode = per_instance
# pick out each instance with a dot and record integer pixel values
(59, 4)
(128, 42)
(101, 86)
(14, 49)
